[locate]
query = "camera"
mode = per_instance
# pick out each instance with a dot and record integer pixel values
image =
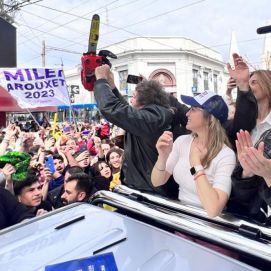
(134, 79)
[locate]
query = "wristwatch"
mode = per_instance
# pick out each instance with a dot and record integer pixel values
(196, 169)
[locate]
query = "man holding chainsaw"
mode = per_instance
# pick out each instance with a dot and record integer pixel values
(144, 121)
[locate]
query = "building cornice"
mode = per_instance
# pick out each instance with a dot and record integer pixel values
(156, 39)
(157, 51)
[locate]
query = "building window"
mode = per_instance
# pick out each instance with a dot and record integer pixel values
(164, 77)
(205, 80)
(123, 80)
(215, 83)
(195, 77)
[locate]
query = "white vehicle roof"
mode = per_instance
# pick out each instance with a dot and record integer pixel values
(82, 230)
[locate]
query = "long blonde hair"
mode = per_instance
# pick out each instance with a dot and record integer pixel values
(216, 139)
(264, 80)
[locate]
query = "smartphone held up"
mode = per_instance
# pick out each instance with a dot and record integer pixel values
(49, 163)
(134, 79)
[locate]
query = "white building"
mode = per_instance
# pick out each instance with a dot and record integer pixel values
(183, 66)
(77, 92)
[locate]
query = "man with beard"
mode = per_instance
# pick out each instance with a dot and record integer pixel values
(77, 188)
(54, 196)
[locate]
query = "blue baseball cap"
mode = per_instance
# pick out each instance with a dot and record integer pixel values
(209, 101)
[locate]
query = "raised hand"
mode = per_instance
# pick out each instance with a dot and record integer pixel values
(11, 130)
(38, 141)
(7, 170)
(231, 84)
(49, 143)
(102, 72)
(197, 154)
(164, 144)
(243, 143)
(239, 72)
(82, 156)
(257, 163)
(97, 142)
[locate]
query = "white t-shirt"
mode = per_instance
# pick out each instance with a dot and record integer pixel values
(260, 128)
(218, 173)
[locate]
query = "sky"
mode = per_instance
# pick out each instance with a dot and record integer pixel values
(64, 26)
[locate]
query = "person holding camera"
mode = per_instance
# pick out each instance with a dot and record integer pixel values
(144, 121)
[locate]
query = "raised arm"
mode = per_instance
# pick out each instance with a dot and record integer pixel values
(240, 72)
(159, 175)
(111, 82)
(8, 170)
(246, 105)
(136, 121)
(10, 131)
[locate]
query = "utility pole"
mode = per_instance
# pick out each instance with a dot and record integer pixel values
(8, 8)
(107, 18)
(5, 11)
(43, 54)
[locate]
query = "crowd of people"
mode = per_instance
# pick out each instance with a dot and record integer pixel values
(208, 151)
(46, 168)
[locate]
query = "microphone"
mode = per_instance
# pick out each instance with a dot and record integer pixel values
(264, 29)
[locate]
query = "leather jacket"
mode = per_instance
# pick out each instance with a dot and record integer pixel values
(143, 128)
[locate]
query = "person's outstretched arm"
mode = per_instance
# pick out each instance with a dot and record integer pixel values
(159, 175)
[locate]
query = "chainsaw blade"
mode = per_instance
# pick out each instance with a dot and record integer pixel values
(94, 34)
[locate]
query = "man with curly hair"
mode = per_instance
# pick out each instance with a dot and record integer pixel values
(144, 121)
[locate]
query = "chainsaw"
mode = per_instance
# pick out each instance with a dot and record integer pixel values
(91, 60)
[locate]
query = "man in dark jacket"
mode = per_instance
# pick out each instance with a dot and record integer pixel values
(144, 121)
(11, 211)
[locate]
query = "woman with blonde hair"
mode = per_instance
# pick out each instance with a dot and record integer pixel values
(201, 162)
(251, 197)
(259, 83)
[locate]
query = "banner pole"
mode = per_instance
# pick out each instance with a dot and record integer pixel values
(71, 109)
(27, 109)
(54, 133)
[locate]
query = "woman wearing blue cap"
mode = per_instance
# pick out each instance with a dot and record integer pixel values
(201, 162)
